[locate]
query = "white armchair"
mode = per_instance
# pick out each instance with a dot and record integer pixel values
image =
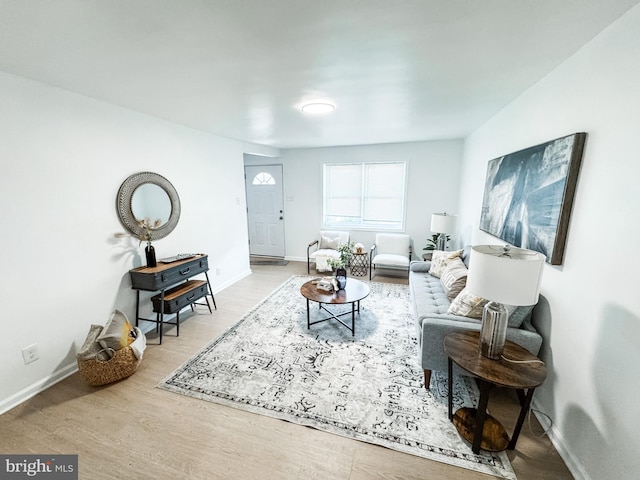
(391, 250)
(326, 247)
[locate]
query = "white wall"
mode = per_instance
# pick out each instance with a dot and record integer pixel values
(63, 158)
(592, 346)
(433, 176)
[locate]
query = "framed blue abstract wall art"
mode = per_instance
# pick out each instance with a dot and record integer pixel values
(528, 195)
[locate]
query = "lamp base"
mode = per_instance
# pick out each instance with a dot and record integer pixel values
(493, 332)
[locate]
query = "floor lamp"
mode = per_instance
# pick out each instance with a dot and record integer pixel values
(442, 224)
(505, 276)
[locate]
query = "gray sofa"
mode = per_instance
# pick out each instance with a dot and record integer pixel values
(429, 303)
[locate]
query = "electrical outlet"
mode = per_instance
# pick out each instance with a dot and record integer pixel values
(217, 272)
(30, 353)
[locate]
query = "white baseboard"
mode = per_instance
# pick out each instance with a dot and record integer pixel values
(572, 463)
(37, 387)
(59, 375)
(228, 283)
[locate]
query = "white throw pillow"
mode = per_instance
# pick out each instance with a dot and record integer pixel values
(440, 260)
(467, 304)
(454, 278)
(327, 243)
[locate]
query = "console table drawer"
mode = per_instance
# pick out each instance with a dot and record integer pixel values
(181, 296)
(165, 275)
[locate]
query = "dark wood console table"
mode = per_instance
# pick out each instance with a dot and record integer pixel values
(170, 300)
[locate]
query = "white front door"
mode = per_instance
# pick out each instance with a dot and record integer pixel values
(265, 209)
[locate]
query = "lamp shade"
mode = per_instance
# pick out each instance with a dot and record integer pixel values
(443, 222)
(506, 275)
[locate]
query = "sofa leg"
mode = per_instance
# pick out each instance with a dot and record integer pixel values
(427, 379)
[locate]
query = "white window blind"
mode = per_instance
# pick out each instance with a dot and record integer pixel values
(364, 195)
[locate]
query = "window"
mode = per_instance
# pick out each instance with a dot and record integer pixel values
(364, 195)
(263, 178)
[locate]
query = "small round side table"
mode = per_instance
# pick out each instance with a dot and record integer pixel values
(359, 264)
(524, 372)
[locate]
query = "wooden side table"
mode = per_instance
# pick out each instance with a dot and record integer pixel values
(524, 372)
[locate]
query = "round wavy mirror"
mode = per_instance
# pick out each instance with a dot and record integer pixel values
(148, 195)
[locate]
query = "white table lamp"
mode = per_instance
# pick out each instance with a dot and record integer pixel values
(443, 223)
(502, 275)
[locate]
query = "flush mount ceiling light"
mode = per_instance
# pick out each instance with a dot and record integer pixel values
(318, 108)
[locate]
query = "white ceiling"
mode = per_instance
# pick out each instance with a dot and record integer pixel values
(397, 70)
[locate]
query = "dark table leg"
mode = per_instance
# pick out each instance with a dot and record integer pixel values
(137, 306)
(308, 319)
(210, 293)
(523, 414)
(353, 318)
(161, 314)
(450, 382)
(481, 414)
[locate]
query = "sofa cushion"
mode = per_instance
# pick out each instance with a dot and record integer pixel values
(519, 315)
(428, 297)
(454, 278)
(467, 304)
(420, 266)
(440, 260)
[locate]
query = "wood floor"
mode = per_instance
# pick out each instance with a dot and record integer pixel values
(131, 429)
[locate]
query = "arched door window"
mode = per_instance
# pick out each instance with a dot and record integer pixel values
(264, 178)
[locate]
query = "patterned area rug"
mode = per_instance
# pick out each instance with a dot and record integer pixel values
(368, 387)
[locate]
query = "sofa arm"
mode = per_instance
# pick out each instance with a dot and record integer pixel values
(420, 266)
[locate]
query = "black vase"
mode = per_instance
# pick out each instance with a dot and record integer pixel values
(150, 252)
(341, 278)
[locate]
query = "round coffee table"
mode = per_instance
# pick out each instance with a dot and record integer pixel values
(354, 291)
(522, 371)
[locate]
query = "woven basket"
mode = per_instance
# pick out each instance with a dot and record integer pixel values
(123, 364)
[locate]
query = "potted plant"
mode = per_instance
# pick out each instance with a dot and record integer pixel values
(432, 244)
(145, 235)
(340, 264)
